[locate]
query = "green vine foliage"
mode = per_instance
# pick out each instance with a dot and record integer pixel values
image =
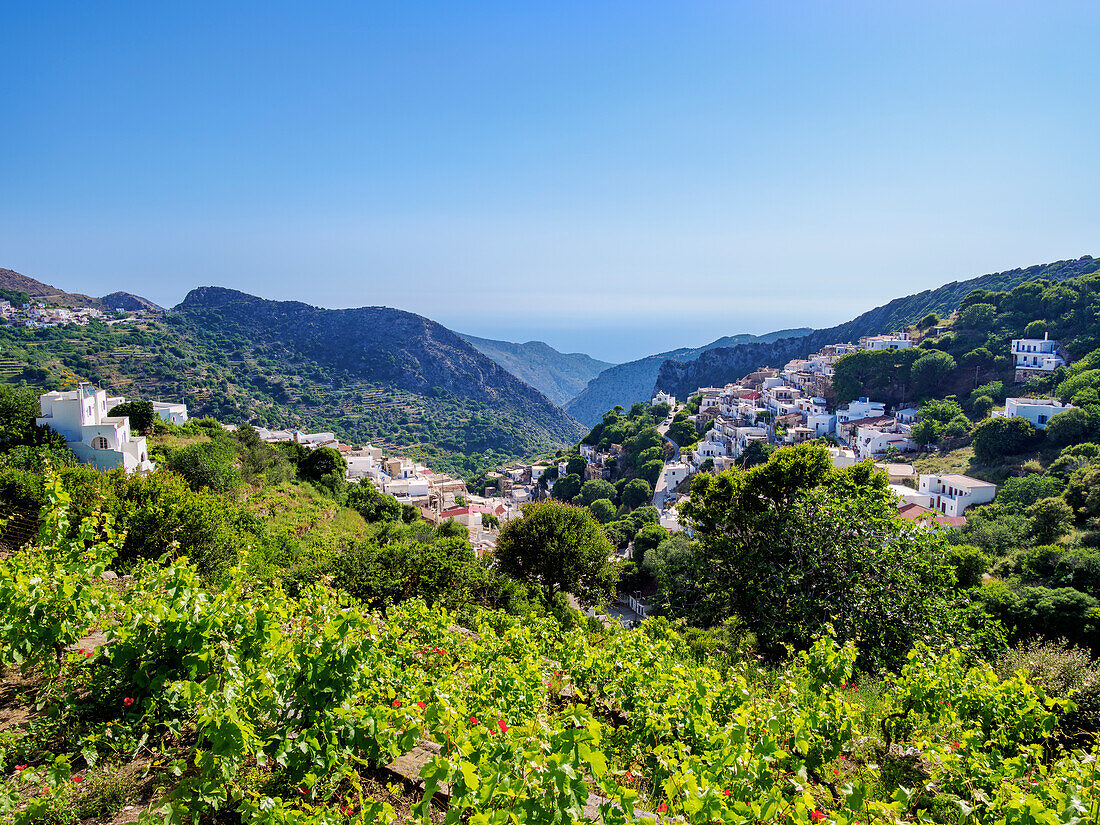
(272, 709)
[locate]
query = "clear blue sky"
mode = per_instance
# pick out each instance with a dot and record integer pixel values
(617, 178)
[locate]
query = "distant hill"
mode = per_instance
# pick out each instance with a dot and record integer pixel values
(130, 303)
(633, 381)
(722, 365)
(52, 295)
(557, 375)
(452, 395)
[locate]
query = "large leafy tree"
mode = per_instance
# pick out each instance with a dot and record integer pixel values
(140, 413)
(559, 547)
(794, 544)
(1001, 436)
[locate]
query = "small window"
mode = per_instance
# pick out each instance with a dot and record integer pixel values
(100, 443)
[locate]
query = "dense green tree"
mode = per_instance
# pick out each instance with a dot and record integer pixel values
(651, 471)
(928, 321)
(603, 509)
(576, 466)
(929, 372)
(1072, 426)
(795, 544)
(140, 413)
(566, 488)
(683, 432)
(636, 492)
(1054, 613)
(18, 409)
(995, 438)
(594, 489)
(560, 548)
(671, 550)
(1051, 518)
(322, 462)
(969, 563)
(976, 316)
(647, 539)
(756, 453)
(1020, 492)
(981, 406)
(372, 505)
(161, 514)
(926, 432)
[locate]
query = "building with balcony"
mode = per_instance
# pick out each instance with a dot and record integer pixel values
(951, 494)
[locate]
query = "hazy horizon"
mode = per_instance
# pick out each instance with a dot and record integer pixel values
(618, 179)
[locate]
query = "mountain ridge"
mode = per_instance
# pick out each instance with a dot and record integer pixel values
(560, 376)
(17, 282)
(721, 365)
(633, 381)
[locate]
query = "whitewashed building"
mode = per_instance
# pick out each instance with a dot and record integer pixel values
(1038, 411)
(951, 494)
(173, 413)
(103, 441)
(1036, 356)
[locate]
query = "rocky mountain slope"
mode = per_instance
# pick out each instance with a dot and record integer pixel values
(17, 282)
(557, 375)
(633, 381)
(722, 365)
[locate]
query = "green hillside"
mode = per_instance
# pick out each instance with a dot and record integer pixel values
(378, 375)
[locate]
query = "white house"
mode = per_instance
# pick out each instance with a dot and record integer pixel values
(173, 413)
(876, 439)
(1038, 411)
(842, 457)
(80, 416)
(821, 423)
(899, 340)
(663, 397)
(908, 415)
(1036, 356)
(952, 494)
(860, 408)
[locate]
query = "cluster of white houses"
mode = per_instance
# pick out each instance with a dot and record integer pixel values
(37, 315)
(788, 406)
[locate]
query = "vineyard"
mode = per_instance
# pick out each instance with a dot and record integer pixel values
(246, 705)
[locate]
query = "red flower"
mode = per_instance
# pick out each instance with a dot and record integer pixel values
(726, 792)
(836, 772)
(81, 650)
(817, 816)
(629, 776)
(20, 767)
(397, 703)
(346, 810)
(421, 705)
(127, 701)
(90, 654)
(78, 779)
(662, 808)
(503, 727)
(473, 720)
